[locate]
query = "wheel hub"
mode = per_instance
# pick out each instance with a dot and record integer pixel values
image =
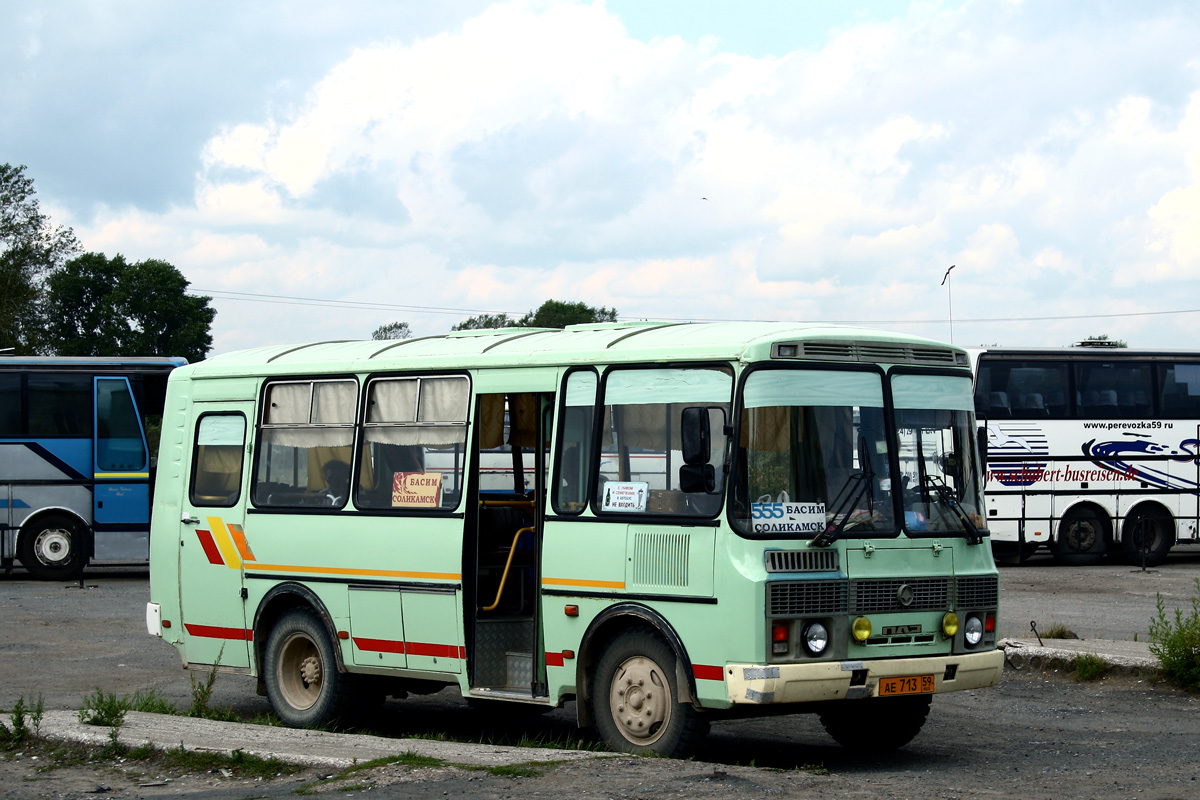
(639, 700)
(310, 671)
(53, 546)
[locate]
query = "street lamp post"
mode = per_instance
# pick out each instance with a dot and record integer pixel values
(950, 300)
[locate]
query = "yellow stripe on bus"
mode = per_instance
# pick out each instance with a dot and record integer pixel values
(224, 543)
(121, 475)
(373, 573)
(588, 584)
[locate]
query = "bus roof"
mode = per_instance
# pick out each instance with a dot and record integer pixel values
(143, 363)
(601, 343)
(1100, 353)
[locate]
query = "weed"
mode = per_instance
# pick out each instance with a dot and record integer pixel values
(103, 709)
(151, 702)
(202, 690)
(1089, 667)
(26, 721)
(1176, 642)
(1058, 631)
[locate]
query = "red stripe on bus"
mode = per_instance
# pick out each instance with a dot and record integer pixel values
(444, 650)
(379, 645)
(705, 672)
(210, 547)
(216, 632)
(554, 659)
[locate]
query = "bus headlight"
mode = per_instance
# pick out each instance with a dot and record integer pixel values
(861, 629)
(950, 624)
(816, 638)
(973, 630)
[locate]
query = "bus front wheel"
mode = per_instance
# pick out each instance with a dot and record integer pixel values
(635, 699)
(879, 724)
(53, 549)
(1081, 540)
(304, 686)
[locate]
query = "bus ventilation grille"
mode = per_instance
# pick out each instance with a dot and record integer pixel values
(660, 560)
(879, 596)
(802, 561)
(876, 351)
(981, 591)
(804, 598)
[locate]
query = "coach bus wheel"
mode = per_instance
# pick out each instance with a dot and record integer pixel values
(52, 550)
(880, 724)
(303, 683)
(1147, 532)
(1081, 540)
(635, 699)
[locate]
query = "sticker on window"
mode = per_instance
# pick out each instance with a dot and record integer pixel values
(788, 517)
(417, 490)
(625, 496)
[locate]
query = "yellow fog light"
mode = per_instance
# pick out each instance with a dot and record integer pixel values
(950, 624)
(861, 629)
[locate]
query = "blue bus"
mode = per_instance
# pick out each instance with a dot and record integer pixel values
(78, 443)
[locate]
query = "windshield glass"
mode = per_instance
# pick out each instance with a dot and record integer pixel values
(812, 455)
(939, 466)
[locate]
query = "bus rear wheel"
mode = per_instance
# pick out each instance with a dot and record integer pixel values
(1081, 539)
(1146, 534)
(635, 699)
(879, 724)
(53, 549)
(304, 686)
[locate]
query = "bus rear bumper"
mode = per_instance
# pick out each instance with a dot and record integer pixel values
(848, 680)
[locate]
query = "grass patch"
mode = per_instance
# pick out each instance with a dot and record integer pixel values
(241, 764)
(528, 769)
(1058, 631)
(1089, 667)
(1175, 641)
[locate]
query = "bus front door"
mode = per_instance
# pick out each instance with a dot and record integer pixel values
(212, 542)
(121, 468)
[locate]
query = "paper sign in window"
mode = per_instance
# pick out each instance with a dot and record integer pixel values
(625, 496)
(417, 490)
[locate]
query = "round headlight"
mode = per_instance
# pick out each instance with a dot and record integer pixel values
(973, 630)
(950, 624)
(816, 638)
(861, 629)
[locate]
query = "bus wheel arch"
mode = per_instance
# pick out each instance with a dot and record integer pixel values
(54, 544)
(1150, 522)
(1083, 535)
(277, 603)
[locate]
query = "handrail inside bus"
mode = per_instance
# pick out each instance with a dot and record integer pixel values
(512, 551)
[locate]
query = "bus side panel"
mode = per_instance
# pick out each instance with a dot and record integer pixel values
(168, 498)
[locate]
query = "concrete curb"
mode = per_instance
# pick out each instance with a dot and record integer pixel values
(304, 747)
(1133, 658)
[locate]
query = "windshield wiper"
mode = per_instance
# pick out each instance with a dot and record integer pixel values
(847, 498)
(945, 494)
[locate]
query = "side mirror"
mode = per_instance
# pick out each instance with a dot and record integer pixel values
(695, 439)
(981, 437)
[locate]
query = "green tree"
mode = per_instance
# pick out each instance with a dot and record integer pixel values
(30, 249)
(1102, 341)
(550, 314)
(392, 330)
(96, 306)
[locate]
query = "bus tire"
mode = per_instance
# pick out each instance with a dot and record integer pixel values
(304, 686)
(53, 548)
(1081, 539)
(634, 699)
(878, 724)
(1147, 531)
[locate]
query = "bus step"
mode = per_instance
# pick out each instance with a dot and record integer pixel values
(520, 669)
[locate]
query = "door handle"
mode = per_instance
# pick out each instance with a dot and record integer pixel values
(188, 519)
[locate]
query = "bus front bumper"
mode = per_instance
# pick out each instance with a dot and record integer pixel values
(757, 684)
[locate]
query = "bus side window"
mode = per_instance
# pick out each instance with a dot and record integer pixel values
(217, 460)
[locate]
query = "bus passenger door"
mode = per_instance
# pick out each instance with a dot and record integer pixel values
(212, 542)
(121, 468)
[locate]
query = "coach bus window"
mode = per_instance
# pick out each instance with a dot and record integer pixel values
(307, 431)
(414, 443)
(642, 465)
(575, 442)
(939, 466)
(1179, 389)
(1022, 389)
(812, 455)
(11, 416)
(60, 405)
(119, 444)
(217, 463)
(1113, 389)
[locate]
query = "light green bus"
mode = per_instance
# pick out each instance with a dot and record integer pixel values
(669, 524)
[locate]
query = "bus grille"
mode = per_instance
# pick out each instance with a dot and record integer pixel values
(660, 559)
(802, 561)
(978, 592)
(887, 352)
(799, 598)
(879, 596)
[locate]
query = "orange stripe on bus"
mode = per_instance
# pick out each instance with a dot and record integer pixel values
(589, 584)
(239, 539)
(379, 573)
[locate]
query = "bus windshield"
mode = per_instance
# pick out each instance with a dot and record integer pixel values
(813, 455)
(939, 467)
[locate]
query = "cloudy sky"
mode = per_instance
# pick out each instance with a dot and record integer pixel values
(320, 169)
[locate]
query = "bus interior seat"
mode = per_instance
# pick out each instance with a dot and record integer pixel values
(1032, 405)
(998, 406)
